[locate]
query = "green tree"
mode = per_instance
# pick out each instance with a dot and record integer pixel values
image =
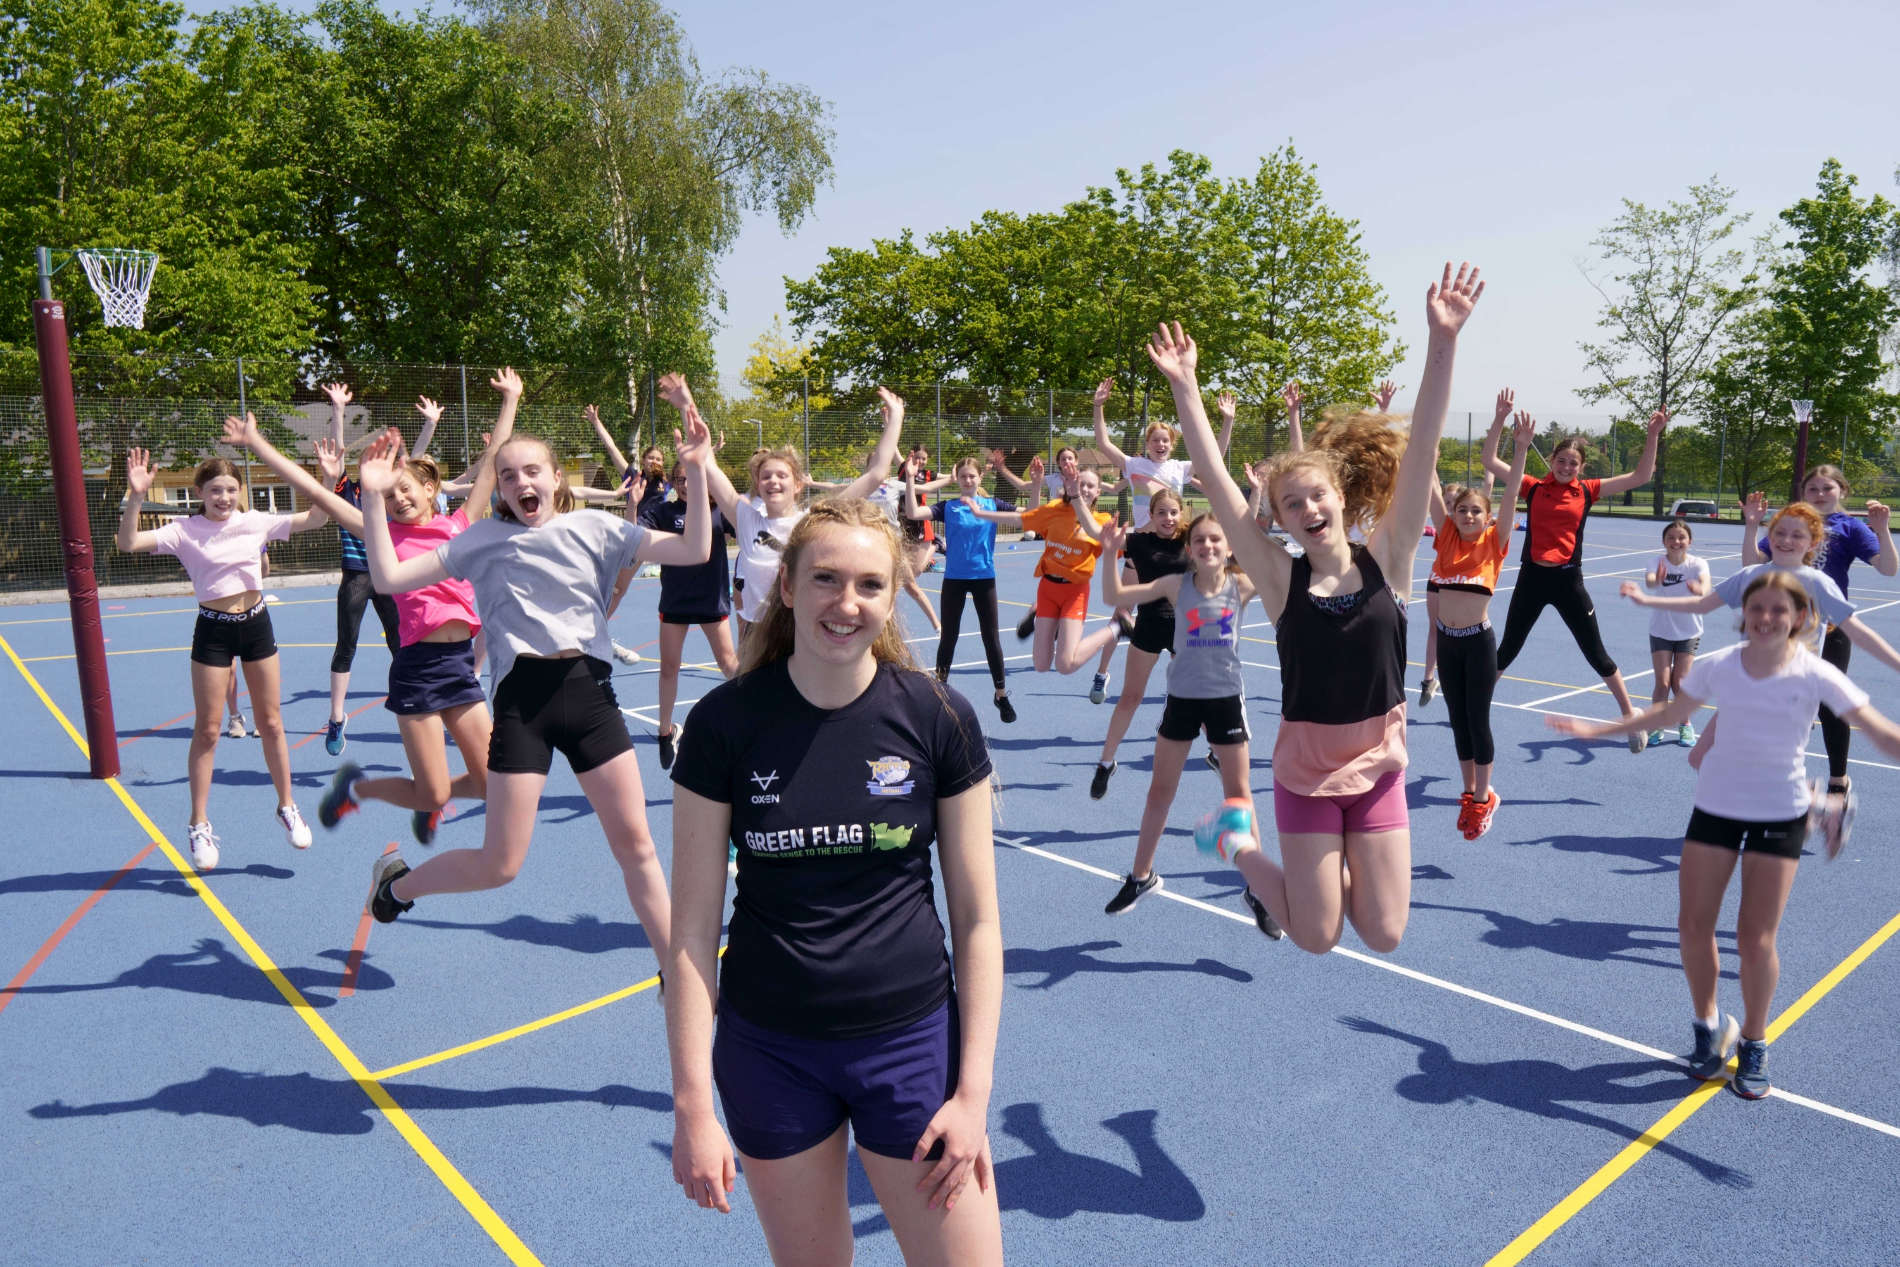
(1746, 411)
(1673, 285)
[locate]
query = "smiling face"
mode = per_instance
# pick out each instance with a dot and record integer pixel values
(969, 477)
(1088, 487)
(222, 495)
(1676, 542)
(1164, 516)
(840, 593)
(411, 500)
(1789, 540)
(1207, 545)
(1160, 442)
(1472, 514)
(1309, 506)
(777, 485)
(527, 479)
(1065, 463)
(1771, 617)
(1566, 465)
(1823, 492)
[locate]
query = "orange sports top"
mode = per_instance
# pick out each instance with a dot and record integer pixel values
(1467, 565)
(1067, 553)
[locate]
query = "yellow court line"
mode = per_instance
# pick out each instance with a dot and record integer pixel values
(494, 1040)
(1586, 1192)
(451, 1178)
(163, 611)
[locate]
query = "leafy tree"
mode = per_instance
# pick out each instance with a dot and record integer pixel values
(1746, 410)
(1672, 288)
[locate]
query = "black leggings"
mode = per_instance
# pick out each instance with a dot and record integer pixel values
(982, 592)
(1559, 587)
(1468, 670)
(1835, 733)
(352, 596)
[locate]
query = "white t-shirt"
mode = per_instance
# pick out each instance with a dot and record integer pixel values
(762, 541)
(1674, 625)
(1756, 770)
(1174, 473)
(541, 591)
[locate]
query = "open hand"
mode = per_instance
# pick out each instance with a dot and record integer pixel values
(239, 432)
(139, 471)
(1754, 506)
(430, 411)
(380, 463)
(1174, 353)
(1103, 390)
(1449, 301)
(675, 392)
(1225, 405)
(507, 382)
(1114, 536)
(330, 461)
(338, 393)
(959, 1127)
(1525, 430)
(890, 406)
(1384, 393)
(1291, 395)
(1507, 400)
(693, 443)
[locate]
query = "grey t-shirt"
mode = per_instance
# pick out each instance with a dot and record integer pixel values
(1822, 592)
(1206, 660)
(542, 591)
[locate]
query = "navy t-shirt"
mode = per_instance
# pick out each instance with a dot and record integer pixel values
(1154, 556)
(692, 589)
(834, 930)
(355, 556)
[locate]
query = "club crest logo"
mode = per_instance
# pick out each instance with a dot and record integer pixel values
(890, 776)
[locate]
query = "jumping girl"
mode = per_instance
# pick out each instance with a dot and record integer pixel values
(690, 594)
(1159, 550)
(1428, 681)
(1674, 636)
(1752, 801)
(1847, 540)
(542, 574)
(353, 592)
(919, 551)
(1338, 614)
(220, 549)
(763, 520)
(834, 764)
(1070, 529)
(1204, 685)
(1469, 550)
(432, 681)
(1551, 571)
(969, 572)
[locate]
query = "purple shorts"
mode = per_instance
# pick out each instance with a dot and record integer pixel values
(784, 1094)
(1379, 808)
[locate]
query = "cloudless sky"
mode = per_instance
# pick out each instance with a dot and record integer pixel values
(1503, 133)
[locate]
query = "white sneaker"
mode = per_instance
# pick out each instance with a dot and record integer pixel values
(296, 831)
(235, 729)
(626, 655)
(203, 846)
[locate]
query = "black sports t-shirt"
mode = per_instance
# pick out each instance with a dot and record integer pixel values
(1153, 557)
(834, 930)
(693, 589)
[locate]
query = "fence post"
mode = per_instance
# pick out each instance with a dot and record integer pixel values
(242, 410)
(465, 453)
(804, 405)
(1052, 437)
(1467, 448)
(939, 417)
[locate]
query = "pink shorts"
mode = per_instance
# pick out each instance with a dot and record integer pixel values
(1379, 808)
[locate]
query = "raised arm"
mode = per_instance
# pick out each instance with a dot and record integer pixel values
(606, 439)
(243, 433)
(1645, 465)
(1119, 593)
(1488, 457)
(1225, 405)
(1514, 478)
(907, 470)
(1295, 438)
(1382, 395)
(693, 444)
(1437, 511)
(1003, 471)
(1754, 507)
(339, 396)
(1264, 559)
(1887, 562)
(1256, 489)
(139, 474)
(377, 474)
(1704, 603)
(1006, 518)
(891, 405)
(1097, 405)
(1394, 540)
(482, 475)
(431, 415)
(703, 1162)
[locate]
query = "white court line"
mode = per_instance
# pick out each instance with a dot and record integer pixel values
(1021, 844)
(1584, 690)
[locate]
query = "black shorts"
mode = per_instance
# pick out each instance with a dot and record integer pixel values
(1777, 839)
(1674, 646)
(693, 618)
(1224, 719)
(220, 636)
(1153, 633)
(548, 706)
(428, 677)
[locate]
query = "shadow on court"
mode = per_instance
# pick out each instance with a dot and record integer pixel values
(1658, 854)
(334, 1106)
(211, 969)
(141, 880)
(1598, 941)
(585, 934)
(1060, 963)
(1547, 1089)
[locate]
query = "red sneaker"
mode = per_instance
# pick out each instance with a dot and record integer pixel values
(1467, 810)
(1481, 815)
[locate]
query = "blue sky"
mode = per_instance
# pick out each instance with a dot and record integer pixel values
(1502, 133)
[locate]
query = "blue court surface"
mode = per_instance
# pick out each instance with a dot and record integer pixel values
(237, 1067)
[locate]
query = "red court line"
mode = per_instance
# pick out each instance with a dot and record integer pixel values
(10, 991)
(358, 946)
(313, 734)
(155, 729)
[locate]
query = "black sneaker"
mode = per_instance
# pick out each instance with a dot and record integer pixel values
(383, 904)
(1262, 917)
(1131, 892)
(1026, 628)
(666, 752)
(1124, 627)
(1713, 1047)
(1005, 709)
(1098, 786)
(1213, 762)
(423, 822)
(1751, 1079)
(337, 801)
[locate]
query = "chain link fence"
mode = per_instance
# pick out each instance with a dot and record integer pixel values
(176, 408)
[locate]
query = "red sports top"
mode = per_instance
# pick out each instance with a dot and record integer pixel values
(1555, 516)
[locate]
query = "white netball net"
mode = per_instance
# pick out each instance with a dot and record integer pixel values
(122, 279)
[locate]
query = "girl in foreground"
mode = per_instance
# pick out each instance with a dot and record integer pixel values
(834, 763)
(1338, 613)
(1752, 802)
(220, 548)
(1468, 553)
(542, 579)
(1204, 686)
